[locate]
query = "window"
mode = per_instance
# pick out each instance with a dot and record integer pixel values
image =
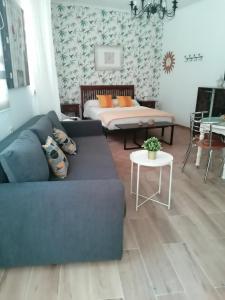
(4, 100)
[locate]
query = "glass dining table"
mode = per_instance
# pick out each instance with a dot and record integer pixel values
(218, 126)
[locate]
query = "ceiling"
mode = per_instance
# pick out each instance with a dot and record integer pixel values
(117, 4)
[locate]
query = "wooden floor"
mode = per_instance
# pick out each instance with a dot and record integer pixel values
(168, 255)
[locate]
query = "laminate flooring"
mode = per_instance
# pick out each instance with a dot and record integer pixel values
(176, 254)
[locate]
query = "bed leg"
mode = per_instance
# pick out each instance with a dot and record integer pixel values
(105, 131)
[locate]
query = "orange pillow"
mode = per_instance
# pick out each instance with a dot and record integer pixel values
(125, 101)
(105, 101)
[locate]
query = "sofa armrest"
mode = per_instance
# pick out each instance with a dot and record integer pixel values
(60, 221)
(83, 128)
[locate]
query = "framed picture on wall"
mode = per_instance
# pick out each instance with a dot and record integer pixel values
(108, 58)
(14, 44)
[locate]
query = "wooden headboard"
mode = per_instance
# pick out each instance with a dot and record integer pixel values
(89, 92)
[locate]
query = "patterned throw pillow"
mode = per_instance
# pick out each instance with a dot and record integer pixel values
(56, 158)
(65, 142)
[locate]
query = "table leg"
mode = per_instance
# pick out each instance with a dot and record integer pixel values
(223, 171)
(199, 152)
(131, 177)
(135, 137)
(223, 174)
(137, 190)
(105, 131)
(160, 180)
(171, 134)
(162, 132)
(125, 140)
(170, 184)
(134, 140)
(146, 133)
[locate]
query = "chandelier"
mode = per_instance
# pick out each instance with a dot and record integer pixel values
(153, 7)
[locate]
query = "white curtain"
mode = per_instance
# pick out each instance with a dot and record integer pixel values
(41, 57)
(4, 99)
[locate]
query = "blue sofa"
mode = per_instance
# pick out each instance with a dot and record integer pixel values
(76, 219)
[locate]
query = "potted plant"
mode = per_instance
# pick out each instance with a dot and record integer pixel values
(152, 145)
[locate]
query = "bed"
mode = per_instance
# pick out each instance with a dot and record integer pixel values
(110, 117)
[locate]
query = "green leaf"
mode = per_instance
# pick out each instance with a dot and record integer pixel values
(152, 144)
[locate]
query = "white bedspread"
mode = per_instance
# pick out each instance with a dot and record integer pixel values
(94, 114)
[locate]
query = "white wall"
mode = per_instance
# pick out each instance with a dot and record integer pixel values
(198, 28)
(23, 102)
(20, 109)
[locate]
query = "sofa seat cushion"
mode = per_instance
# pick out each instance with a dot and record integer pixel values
(43, 128)
(24, 159)
(93, 160)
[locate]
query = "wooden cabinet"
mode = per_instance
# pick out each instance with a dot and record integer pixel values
(211, 100)
(71, 110)
(148, 103)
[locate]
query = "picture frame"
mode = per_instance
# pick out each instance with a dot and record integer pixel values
(14, 44)
(108, 58)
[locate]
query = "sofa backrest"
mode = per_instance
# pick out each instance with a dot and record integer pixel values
(10, 138)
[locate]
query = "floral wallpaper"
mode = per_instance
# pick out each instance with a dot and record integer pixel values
(77, 30)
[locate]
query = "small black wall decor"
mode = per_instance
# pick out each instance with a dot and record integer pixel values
(193, 57)
(14, 44)
(168, 62)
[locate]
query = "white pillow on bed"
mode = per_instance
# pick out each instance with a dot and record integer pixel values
(116, 103)
(91, 103)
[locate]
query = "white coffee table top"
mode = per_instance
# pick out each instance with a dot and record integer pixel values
(141, 158)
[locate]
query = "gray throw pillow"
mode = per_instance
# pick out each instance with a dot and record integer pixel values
(24, 159)
(42, 128)
(55, 120)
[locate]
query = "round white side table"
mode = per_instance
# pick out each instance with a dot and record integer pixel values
(140, 158)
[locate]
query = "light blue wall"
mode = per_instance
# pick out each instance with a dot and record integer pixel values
(20, 110)
(191, 32)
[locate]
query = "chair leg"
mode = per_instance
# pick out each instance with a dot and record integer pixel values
(188, 153)
(208, 165)
(222, 167)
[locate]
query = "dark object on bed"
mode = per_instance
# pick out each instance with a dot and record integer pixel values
(89, 92)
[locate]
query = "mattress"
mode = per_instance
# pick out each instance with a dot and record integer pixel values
(94, 113)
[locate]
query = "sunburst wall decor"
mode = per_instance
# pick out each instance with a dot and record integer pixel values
(168, 62)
